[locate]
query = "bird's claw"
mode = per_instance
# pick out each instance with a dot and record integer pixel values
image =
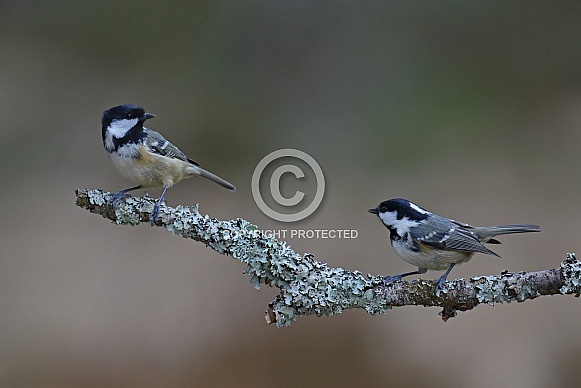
(391, 279)
(117, 199)
(439, 282)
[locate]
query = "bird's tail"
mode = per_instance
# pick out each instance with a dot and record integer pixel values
(486, 233)
(216, 179)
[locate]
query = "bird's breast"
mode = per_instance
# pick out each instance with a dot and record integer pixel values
(148, 169)
(425, 256)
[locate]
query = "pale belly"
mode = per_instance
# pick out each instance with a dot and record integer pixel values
(433, 259)
(151, 171)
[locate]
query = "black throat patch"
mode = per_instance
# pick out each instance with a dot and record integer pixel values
(134, 136)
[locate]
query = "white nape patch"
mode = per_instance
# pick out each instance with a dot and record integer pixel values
(117, 129)
(401, 226)
(418, 209)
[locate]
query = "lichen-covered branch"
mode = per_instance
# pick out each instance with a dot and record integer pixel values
(310, 287)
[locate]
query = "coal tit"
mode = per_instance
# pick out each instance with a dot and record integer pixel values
(429, 241)
(145, 156)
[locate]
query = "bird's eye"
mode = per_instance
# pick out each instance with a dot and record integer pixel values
(129, 116)
(383, 209)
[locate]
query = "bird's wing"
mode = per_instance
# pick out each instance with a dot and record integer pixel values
(455, 238)
(160, 146)
(462, 224)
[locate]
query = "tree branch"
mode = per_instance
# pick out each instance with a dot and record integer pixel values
(310, 287)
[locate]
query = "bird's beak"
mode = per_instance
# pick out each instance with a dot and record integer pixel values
(148, 116)
(373, 211)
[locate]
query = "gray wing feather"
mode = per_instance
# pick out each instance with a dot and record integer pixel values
(160, 146)
(455, 238)
(462, 224)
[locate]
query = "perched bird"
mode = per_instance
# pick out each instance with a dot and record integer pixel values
(145, 156)
(430, 241)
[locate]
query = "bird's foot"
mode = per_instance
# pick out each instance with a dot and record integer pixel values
(155, 211)
(117, 199)
(391, 279)
(439, 282)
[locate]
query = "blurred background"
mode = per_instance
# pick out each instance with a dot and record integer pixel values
(470, 109)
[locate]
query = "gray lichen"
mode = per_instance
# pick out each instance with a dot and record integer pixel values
(490, 290)
(571, 270)
(307, 286)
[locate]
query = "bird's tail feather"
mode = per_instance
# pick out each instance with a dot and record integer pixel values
(516, 228)
(486, 233)
(216, 179)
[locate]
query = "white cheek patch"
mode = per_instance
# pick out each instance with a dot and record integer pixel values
(119, 128)
(388, 218)
(418, 209)
(401, 226)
